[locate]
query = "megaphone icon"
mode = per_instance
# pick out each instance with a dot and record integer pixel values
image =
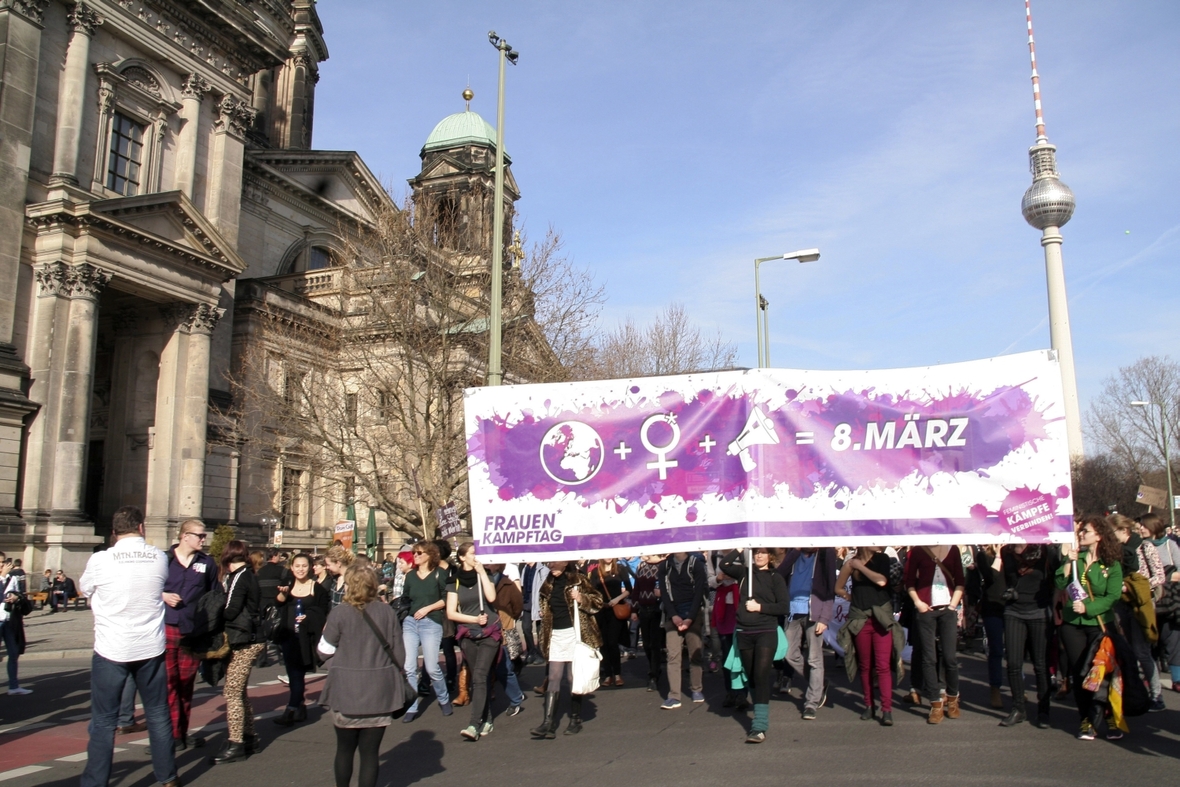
(759, 430)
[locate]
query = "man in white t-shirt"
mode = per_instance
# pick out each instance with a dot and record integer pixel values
(125, 585)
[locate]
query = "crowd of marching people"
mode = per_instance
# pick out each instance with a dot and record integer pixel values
(1099, 619)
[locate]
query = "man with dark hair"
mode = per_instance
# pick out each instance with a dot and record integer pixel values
(191, 574)
(683, 584)
(270, 577)
(125, 585)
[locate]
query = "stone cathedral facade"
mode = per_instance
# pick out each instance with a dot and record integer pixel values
(156, 181)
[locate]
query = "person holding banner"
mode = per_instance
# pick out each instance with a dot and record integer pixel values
(1028, 616)
(1092, 575)
(470, 598)
(762, 598)
(564, 593)
(935, 582)
(870, 632)
(610, 578)
(811, 580)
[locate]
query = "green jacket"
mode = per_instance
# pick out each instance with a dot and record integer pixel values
(858, 619)
(1105, 586)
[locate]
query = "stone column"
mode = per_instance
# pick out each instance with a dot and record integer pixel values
(223, 198)
(195, 419)
(71, 95)
(20, 50)
(194, 90)
(176, 474)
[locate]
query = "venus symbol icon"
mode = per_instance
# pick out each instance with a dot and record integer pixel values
(759, 430)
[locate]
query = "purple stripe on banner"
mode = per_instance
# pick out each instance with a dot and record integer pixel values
(859, 532)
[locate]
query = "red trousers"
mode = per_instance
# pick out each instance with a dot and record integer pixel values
(874, 648)
(181, 668)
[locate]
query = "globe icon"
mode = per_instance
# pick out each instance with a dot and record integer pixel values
(572, 453)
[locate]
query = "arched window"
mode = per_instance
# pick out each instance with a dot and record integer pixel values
(318, 257)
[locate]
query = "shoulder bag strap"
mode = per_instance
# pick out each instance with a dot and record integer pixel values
(577, 621)
(380, 638)
(946, 572)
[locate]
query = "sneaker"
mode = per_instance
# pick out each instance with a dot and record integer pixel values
(1157, 705)
(823, 696)
(447, 708)
(1086, 733)
(470, 733)
(515, 710)
(19, 690)
(283, 679)
(670, 704)
(1114, 735)
(698, 696)
(651, 686)
(729, 701)
(756, 737)
(486, 729)
(809, 713)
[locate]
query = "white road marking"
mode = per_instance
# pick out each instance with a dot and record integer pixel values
(16, 773)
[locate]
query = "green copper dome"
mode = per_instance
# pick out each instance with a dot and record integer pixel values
(461, 128)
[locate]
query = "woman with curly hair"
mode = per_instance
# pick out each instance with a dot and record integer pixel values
(564, 591)
(1092, 573)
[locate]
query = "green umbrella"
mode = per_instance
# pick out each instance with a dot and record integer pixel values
(371, 534)
(350, 515)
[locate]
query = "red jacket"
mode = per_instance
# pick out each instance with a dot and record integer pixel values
(724, 619)
(919, 571)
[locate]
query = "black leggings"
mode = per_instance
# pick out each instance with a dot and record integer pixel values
(1035, 633)
(480, 656)
(348, 740)
(608, 625)
(651, 627)
(1076, 642)
(757, 649)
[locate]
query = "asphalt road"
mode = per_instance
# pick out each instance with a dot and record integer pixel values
(627, 740)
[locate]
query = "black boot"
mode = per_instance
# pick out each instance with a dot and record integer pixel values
(1017, 716)
(575, 725)
(548, 728)
(300, 714)
(233, 752)
(1043, 712)
(252, 744)
(288, 717)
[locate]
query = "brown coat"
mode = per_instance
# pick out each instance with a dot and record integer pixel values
(591, 602)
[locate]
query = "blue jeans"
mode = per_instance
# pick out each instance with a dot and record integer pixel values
(427, 634)
(293, 661)
(8, 634)
(995, 650)
(507, 675)
(107, 679)
(127, 703)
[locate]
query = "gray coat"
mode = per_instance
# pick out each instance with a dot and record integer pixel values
(361, 679)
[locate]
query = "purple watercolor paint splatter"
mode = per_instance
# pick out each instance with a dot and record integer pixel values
(610, 462)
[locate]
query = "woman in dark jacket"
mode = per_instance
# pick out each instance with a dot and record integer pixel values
(1028, 571)
(364, 688)
(304, 606)
(241, 627)
(564, 590)
(611, 579)
(760, 603)
(870, 629)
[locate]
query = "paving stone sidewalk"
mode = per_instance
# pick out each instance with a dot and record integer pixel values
(60, 635)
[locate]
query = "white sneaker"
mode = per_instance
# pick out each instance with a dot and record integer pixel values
(20, 691)
(284, 679)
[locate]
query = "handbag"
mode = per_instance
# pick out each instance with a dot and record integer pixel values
(272, 624)
(401, 606)
(622, 610)
(587, 661)
(513, 640)
(409, 693)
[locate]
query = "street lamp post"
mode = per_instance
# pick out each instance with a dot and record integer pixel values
(495, 329)
(1167, 457)
(762, 323)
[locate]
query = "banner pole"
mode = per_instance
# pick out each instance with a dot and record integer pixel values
(750, 569)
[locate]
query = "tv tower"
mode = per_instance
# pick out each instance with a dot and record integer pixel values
(1048, 205)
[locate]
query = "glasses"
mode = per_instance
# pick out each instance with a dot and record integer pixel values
(200, 536)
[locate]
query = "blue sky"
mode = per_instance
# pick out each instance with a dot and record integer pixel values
(672, 143)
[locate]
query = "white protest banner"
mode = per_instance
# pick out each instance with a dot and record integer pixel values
(955, 454)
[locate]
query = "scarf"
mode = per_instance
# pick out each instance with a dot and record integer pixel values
(466, 578)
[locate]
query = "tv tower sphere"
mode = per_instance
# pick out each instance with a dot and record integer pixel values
(1048, 202)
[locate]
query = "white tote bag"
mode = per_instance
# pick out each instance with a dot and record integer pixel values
(587, 661)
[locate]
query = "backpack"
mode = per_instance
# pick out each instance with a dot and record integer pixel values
(209, 618)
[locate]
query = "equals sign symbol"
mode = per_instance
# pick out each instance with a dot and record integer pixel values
(804, 438)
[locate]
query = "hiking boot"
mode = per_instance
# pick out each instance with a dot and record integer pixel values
(952, 706)
(936, 713)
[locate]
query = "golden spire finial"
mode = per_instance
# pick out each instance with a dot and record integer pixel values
(467, 96)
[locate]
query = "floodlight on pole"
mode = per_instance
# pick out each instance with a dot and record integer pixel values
(495, 320)
(1167, 457)
(762, 317)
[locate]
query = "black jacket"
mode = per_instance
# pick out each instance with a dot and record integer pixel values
(770, 590)
(241, 608)
(682, 591)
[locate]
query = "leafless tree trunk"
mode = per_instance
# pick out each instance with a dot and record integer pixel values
(1135, 434)
(669, 345)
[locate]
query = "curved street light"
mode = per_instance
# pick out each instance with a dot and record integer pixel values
(762, 321)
